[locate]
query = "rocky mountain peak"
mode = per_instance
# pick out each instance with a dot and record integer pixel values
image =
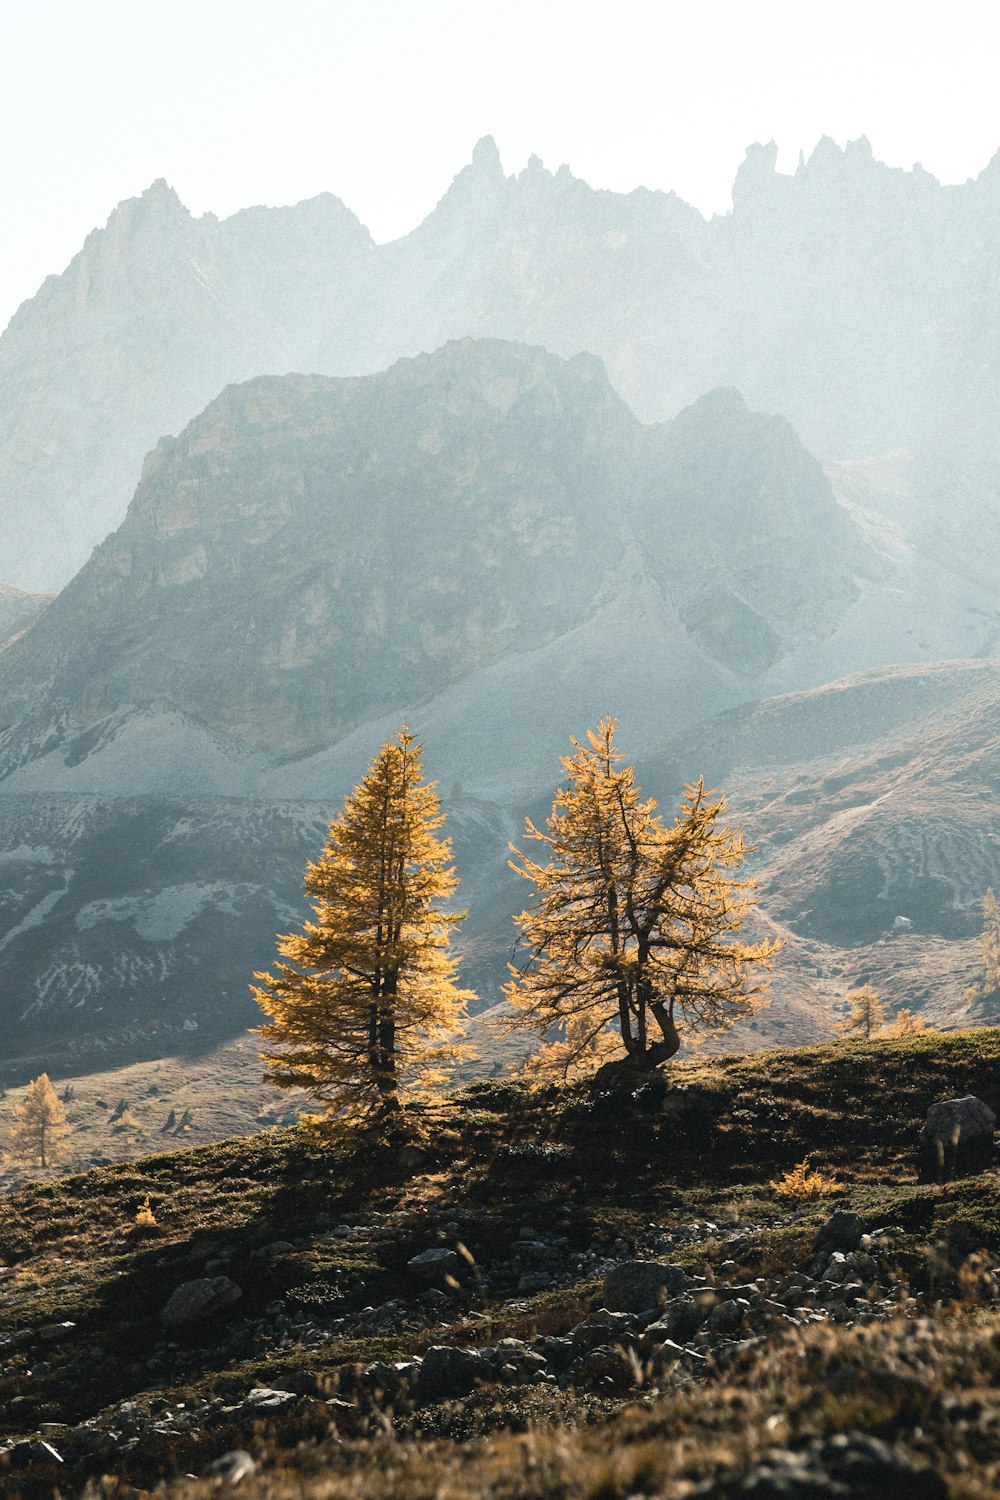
(486, 157)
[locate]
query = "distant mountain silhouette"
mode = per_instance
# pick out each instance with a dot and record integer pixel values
(855, 299)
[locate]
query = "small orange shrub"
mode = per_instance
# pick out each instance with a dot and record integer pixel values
(801, 1183)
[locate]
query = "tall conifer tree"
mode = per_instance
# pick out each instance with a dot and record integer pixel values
(366, 1006)
(634, 924)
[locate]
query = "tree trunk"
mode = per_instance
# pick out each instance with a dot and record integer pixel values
(626, 1074)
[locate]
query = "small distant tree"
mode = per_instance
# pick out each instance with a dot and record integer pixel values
(366, 1005)
(171, 1121)
(907, 1024)
(988, 984)
(40, 1124)
(634, 925)
(866, 1015)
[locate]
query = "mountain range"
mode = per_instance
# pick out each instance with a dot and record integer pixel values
(856, 300)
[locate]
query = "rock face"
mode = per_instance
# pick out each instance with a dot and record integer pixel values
(17, 611)
(155, 315)
(313, 552)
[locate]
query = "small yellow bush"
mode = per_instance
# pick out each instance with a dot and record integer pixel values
(145, 1217)
(801, 1183)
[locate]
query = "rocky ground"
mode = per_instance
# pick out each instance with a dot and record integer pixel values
(539, 1297)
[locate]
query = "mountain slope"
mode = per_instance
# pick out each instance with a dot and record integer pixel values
(313, 553)
(484, 541)
(17, 610)
(871, 799)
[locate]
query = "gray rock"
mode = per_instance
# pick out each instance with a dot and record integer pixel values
(230, 1468)
(533, 1281)
(680, 1319)
(601, 1327)
(842, 1231)
(849, 1466)
(636, 1285)
(955, 1122)
(390, 1380)
(726, 1318)
(32, 1451)
(263, 1398)
(194, 1300)
(430, 1264)
(449, 1372)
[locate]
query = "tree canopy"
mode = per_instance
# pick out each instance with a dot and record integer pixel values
(634, 924)
(366, 1006)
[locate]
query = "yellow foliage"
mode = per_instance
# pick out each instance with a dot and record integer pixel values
(866, 1015)
(144, 1217)
(907, 1024)
(988, 983)
(800, 1182)
(366, 1007)
(634, 924)
(40, 1124)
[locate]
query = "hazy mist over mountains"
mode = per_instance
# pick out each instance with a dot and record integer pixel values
(858, 301)
(556, 453)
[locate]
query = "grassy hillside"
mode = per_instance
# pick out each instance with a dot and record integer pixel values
(535, 1203)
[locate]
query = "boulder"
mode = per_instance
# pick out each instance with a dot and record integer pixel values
(602, 1327)
(388, 1381)
(680, 1319)
(850, 1466)
(636, 1285)
(955, 1122)
(957, 1138)
(32, 1451)
(842, 1231)
(194, 1300)
(448, 1372)
(433, 1263)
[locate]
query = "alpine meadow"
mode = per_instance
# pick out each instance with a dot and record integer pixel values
(499, 752)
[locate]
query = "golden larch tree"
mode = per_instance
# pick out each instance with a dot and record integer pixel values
(366, 1007)
(40, 1125)
(633, 928)
(989, 984)
(866, 1015)
(907, 1024)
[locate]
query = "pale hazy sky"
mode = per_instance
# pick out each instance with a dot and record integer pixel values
(237, 102)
